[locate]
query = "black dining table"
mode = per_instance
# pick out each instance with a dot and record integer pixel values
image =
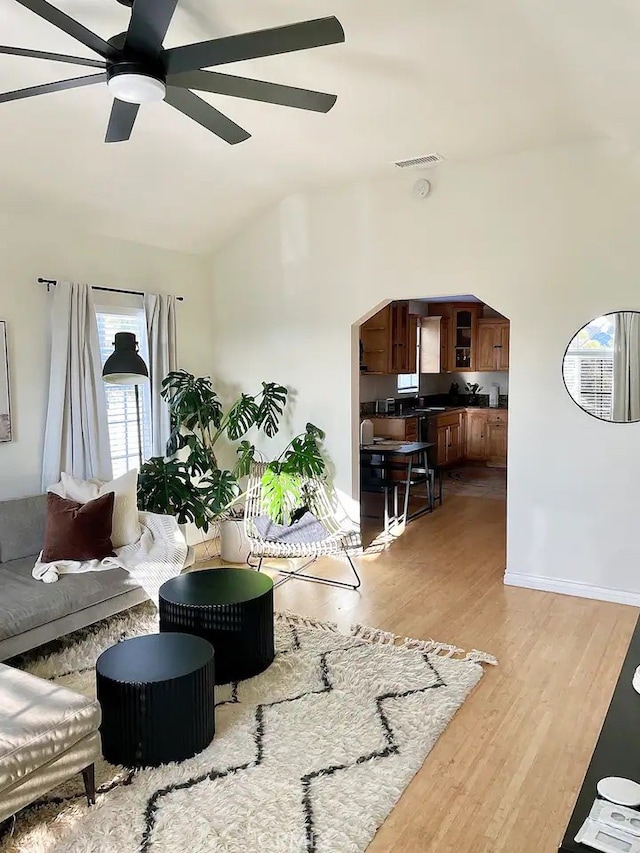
(414, 472)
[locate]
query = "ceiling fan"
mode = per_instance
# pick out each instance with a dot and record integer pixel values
(138, 70)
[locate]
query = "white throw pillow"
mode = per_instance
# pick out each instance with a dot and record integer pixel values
(126, 527)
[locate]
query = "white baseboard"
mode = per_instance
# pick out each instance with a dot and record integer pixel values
(565, 587)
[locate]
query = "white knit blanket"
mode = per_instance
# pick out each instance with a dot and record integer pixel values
(158, 555)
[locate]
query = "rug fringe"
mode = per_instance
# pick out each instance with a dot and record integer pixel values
(481, 657)
(305, 621)
(446, 650)
(373, 635)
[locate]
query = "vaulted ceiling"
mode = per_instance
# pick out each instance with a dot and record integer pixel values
(465, 78)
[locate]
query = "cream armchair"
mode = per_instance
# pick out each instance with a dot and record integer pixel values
(47, 734)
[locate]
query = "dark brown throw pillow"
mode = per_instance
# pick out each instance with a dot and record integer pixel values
(76, 531)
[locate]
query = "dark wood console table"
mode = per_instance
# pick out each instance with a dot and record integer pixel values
(617, 751)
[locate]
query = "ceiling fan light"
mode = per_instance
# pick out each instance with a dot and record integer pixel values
(137, 88)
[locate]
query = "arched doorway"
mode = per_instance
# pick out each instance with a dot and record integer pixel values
(432, 371)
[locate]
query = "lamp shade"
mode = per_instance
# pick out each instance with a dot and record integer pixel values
(124, 366)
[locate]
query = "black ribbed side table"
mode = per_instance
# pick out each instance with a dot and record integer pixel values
(157, 699)
(232, 608)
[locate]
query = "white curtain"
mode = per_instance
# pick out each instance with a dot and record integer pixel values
(160, 312)
(76, 433)
(626, 367)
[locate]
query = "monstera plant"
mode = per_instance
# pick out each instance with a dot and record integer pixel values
(190, 484)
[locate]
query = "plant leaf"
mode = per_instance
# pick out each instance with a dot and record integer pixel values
(274, 399)
(217, 490)
(303, 457)
(191, 399)
(246, 455)
(242, 416)
(281, 493)
(164, 486)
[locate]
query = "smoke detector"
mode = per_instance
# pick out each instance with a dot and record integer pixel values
(421, 188)
(423, 161)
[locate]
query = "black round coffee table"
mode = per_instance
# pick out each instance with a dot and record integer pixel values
(157, 699)
(232, 609)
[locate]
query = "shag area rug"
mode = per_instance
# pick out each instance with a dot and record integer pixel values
(476, 482)
(308, 757)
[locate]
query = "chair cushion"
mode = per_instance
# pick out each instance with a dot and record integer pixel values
(26, 603)
(305, 530)
(22, 527)
(39, 721)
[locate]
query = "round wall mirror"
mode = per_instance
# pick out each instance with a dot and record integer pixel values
(601, 367)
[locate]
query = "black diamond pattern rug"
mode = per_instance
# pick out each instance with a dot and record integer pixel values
(308, 757)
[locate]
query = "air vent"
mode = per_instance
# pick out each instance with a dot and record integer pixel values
(422, 162)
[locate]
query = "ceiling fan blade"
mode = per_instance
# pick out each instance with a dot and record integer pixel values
(121, 121)
(206, 115)
(254, 90)
(54, 57)
(58, 86)
(68, 25)
(149, 24)
(205, 54)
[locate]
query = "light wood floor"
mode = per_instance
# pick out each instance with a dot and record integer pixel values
(504, 775)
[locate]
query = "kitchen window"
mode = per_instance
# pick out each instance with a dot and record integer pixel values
(122, 414)
(408, 383)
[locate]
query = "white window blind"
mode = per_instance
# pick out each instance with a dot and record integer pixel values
(407, 383)
(121, 399)
(589, 378)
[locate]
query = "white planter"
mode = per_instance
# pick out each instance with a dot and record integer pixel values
(234, 545)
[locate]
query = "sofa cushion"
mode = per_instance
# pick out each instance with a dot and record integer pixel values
(39, 720)
(78, 531)
(126, 525)
(26, 603)
(22, 527)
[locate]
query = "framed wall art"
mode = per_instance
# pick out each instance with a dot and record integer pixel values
(5, 397)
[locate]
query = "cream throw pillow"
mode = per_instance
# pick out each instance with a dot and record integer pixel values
(126, 527)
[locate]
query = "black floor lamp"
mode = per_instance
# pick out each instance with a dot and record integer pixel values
(125, 367)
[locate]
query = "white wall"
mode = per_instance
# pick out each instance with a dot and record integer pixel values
(380, 387)
(32, 248)
(377, 387)
(439, 383)
(550, 239)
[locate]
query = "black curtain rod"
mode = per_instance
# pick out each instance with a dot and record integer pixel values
(51, 282)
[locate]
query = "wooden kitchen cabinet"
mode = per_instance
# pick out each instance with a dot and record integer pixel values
(447, 433)
(389, 340)
(412, 360)
(464, 325)
(434, 344)
(497, 439)
(486, 436)
(399, 337)
(398, 429)
(476, 427)
(459, 333)
(375, 336)
(492, 344)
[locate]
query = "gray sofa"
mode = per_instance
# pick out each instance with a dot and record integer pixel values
(33, 612)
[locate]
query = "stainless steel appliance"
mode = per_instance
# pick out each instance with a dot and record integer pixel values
(386, 407)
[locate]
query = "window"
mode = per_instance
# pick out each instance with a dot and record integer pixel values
(121, 399)
(407, 383)
(588, 367)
